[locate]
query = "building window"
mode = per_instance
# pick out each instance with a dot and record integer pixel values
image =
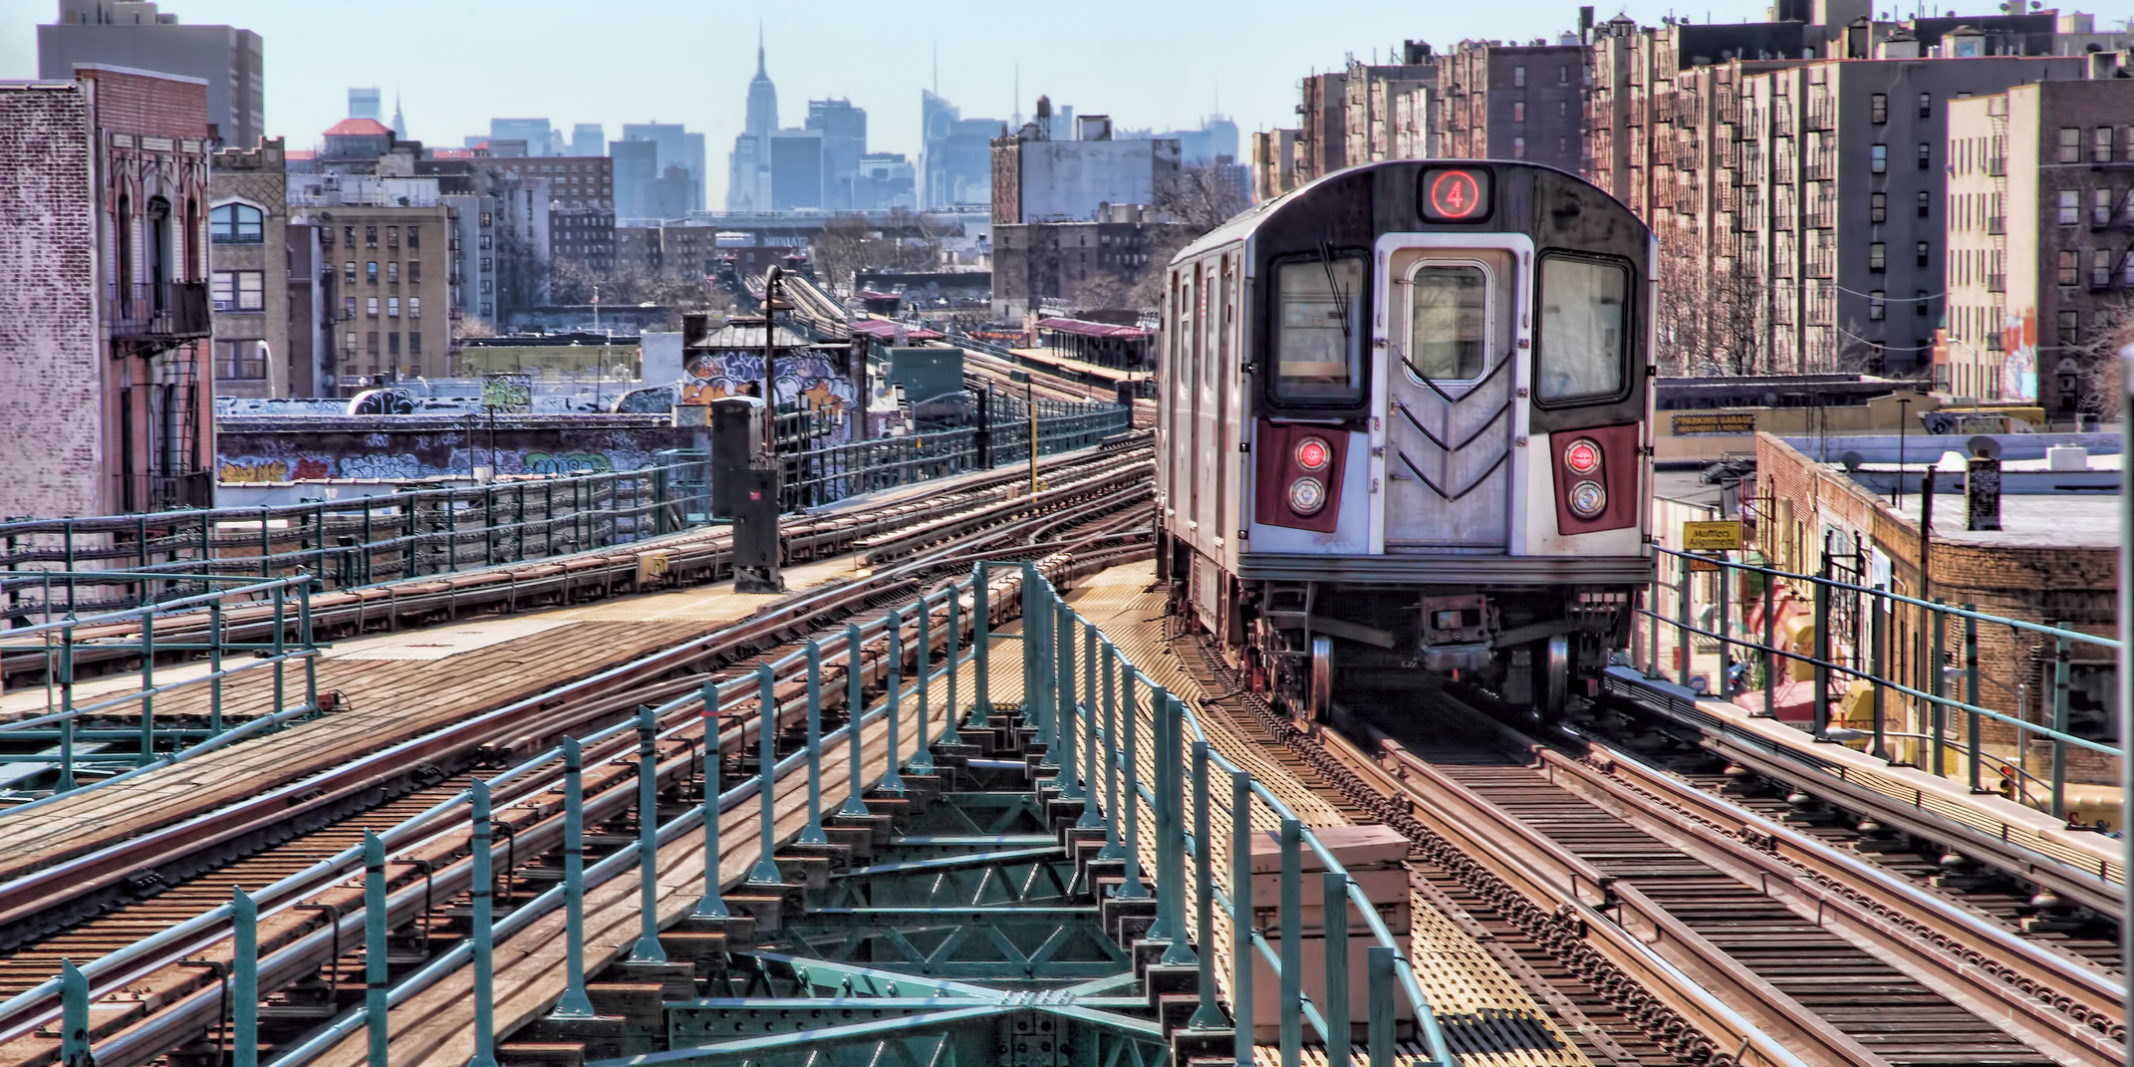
(1563, 109)
(1518, 82)
(414, 307)
(348, 308)
(414, 272)
(243, 224)
(1878, 158)
(370, 342)
(348, 270)
(392, 273)
(2101, 146)
(1926, 155)
(370, 272)
(1877, 257)
(1878, 108)
(238, 290)
(370, 236)
(370, 306)
(414, 237)
(2101, 207)
(414, 344)
(239, 361)
(348, 236)
(1877, 207)
(392, 344)
(1926, 201)
(392, 307)
(1919, 303)
(2100, 268)
(2068, 268)
(2070, 144)
(485, 220)
(1877, 306)
(1518, 111)
(348, 343)
(2070, 328)
(1563, 75)
(488, 265)
(392, 237)
(1926, 105)
(1920, 253)
(2070, 207)
(1518, 148)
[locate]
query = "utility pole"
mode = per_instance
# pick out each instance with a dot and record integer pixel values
(1030, 402)
(770, 359)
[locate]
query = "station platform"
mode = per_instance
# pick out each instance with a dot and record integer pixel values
(2092, 854)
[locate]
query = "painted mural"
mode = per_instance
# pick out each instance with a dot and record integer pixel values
(806, 378)
(2019, 365)
(258, 456)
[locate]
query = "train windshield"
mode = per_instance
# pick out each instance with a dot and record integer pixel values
(1449, 332)
(1585, 315)
(1318, 329)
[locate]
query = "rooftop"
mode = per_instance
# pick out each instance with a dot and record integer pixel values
(2062, 521)
(358, 128)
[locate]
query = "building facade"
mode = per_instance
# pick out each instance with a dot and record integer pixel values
(1498, 101)
(844, 140)
(1386, 108)
(105, 384)
(1078, 264)
(249, 263)
(955, 160)
(134, 35)
(2040, 270)
(1039, 179)
(395, 248)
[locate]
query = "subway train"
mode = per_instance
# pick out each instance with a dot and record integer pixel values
(1404, 433)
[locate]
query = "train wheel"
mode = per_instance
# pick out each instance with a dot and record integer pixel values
(1555, 688)
(1321, 698)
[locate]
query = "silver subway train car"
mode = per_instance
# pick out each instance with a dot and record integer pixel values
(1404, 432)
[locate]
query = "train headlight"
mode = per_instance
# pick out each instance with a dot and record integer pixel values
(1312, 454)
(1588, 499)
(1583, 456)
(1307, 496)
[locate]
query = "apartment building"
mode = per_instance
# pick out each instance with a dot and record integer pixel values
(1499, 101)
(2040, 270)
(395, 246)
(248, 260)
(1386, 111)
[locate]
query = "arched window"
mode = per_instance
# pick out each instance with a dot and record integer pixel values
(236, 224)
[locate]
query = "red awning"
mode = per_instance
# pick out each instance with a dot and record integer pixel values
(1081, 328)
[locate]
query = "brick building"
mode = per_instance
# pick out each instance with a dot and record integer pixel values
(1091, 264)
(1386, 108)
(1499, 101)
(104, 383)
(248, 218)
(2054, 562)
(394, 248)
(2040, 272)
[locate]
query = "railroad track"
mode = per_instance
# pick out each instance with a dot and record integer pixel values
(696, 557)
(175, 999)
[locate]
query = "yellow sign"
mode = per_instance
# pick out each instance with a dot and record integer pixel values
(1711, 536)
(1717, 422)
(1703, 563)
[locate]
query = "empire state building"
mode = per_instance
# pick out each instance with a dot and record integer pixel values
(748, 186)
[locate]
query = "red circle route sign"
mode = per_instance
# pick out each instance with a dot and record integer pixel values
(1456, 194)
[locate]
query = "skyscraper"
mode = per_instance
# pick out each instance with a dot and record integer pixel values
(400, 122)
(365, 103)
(137, 36)
(748, 182)
(636, 168)
(844, 141)
(676, 147)
(532, 131)
(956, 160)
(589, 139)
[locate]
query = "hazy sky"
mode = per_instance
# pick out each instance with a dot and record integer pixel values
(457, 63)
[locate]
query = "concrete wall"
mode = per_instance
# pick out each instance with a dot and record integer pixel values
(278, 449)
(1068, 179)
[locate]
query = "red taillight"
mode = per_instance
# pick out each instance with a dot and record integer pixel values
(1312, 454)
(1583, 457)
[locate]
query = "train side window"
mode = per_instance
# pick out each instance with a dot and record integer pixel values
(1581, 347)
(1318, 328)
(1448, 334)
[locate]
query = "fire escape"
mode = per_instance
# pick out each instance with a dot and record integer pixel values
(155, 328)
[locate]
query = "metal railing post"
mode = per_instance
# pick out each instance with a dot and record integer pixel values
(951, 650)
(812, 833)
(855, 800)
(214, 666)
(1971, 740)
(377, 1013)
(1207, 1016)
(575, 1004)
(1171, 881)
(1165, 927)
(1682, 620)
(1821, 721)
(1241, 916)
(1092, 818)
(892, 784)
(1131, 888)
(1770, 661)
(2060, 673)
(1878, 650)
(766, 869)
(1112, 848)
(982, 643)
(1723, 625)
(1292, 998)
(1937, 714)
(1652, 616)
(244, 965)
(711, 905)
(484, 933)
(1064, 697)
(922, 753)
(1378, 987)
(66, 706)
(73, 1017)
(1334, 903)
(148, 685)
(647, 949)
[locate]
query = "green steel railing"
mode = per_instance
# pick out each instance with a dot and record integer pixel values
(1939, 642)
(1083, 700)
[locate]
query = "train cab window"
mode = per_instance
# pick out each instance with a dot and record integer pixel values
(1319, 323)
(1448, 334)
(1585, 314)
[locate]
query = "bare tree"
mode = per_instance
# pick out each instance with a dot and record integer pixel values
(2098, 366)
(523, 274)
(848, 244)
(1202, 197)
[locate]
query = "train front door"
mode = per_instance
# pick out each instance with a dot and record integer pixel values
(1450, 397)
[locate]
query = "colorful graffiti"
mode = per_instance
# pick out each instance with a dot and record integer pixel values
(255, 469)
(567, 463)
(805, 378)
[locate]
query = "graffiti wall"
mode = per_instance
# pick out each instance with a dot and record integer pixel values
(805, 377)
(261, 450)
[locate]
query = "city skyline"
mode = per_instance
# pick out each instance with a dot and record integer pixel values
(697, 72)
